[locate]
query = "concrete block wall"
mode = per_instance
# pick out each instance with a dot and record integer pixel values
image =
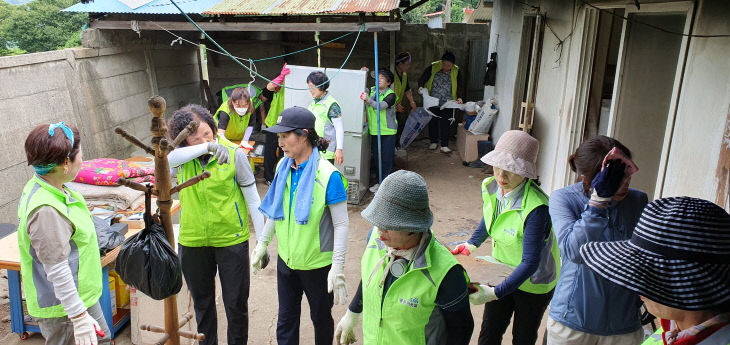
(96, 89)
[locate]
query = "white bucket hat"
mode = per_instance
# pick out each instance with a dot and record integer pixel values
(516, 152)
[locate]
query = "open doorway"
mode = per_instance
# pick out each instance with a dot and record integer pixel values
(634, 83)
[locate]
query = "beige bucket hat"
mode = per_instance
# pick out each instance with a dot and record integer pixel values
(516, 152)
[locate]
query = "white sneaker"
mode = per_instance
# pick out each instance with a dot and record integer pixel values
(433, 146)
(375, 187)
(445, 149)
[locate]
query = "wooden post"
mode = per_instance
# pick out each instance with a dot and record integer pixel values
(163, 189)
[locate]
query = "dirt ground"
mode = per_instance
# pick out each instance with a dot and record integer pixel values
(455, 199)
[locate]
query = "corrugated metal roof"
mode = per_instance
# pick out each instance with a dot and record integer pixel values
(154, 7)
(294, 7)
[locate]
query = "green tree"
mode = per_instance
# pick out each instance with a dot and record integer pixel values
(416, 16)
(41, 26)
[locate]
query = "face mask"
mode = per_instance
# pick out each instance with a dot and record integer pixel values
(241, 111)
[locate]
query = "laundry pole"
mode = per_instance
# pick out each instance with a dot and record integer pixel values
(377, 107)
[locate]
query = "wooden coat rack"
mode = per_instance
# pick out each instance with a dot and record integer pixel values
(163, 189)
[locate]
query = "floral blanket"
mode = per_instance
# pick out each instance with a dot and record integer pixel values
(106, 172)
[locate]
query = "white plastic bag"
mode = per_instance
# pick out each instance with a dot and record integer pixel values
(416, 122)
(485, 118)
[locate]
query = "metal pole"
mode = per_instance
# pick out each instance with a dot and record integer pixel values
(377, 108)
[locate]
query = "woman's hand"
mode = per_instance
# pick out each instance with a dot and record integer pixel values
(339, 157)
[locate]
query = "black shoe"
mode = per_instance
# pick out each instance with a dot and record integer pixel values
(477, 164)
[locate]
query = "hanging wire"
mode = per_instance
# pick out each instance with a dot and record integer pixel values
(362, 28)
(651, 25)
(255, 60)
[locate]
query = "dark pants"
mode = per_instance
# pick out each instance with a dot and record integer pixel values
(291, 284)
(387, 146)
(199, 266)
(270, 147)
(528, 309)
(402, 118)
(440, 127)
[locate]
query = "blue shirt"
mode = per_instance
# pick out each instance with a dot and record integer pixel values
(335, 188)
(583, 300)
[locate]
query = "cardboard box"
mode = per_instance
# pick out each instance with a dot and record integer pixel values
(466, 143)
(146, 310)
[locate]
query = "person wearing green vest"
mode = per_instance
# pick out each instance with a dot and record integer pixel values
(328, 113)
(678, 262)
(443, 80)
(214, 222)
(307, 210)
(273, 96)
(387, 127)
(402, 90)
(60, 264)
(412, 290)
(234, 115)
(516, 216)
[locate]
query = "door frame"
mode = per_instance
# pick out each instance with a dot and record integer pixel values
(686, 8)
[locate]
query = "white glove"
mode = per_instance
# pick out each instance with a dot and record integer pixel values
(257, 258)
(336, 284)
(220, 152)
(85, 330)
(345, 330)
(485, 294)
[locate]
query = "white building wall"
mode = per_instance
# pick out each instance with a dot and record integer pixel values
(703, 115)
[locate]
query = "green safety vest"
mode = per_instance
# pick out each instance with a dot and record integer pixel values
(277, 106)
(656, 338)
(309, 246)
(435, 68)
(213, 212)
(237, 124)
(400, 87)
(507, 231)
(84, 258)
(254, 98)
(323, 125)
(388, 121)
(408, 313)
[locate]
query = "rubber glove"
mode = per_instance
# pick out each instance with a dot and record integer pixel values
(364, 96)
(345, 330)
(336, 284)
(85, 329)
(259, 258)
(609, 179)
(220, 153)
(465, 248)
(484, 294)
(280, 79)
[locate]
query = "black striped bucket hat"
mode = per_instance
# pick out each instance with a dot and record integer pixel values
(678, 256)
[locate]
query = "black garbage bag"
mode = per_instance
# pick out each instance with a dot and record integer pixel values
(148, 262)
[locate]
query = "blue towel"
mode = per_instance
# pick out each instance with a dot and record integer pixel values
(273, 204)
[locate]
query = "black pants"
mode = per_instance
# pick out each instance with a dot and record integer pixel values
(270, 147)
(528, 309)
(387, 146)
(199, 266)
(440, 128)
(291, 284)
(402, 118)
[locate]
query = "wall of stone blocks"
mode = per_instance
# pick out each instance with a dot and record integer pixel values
(96, 89)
